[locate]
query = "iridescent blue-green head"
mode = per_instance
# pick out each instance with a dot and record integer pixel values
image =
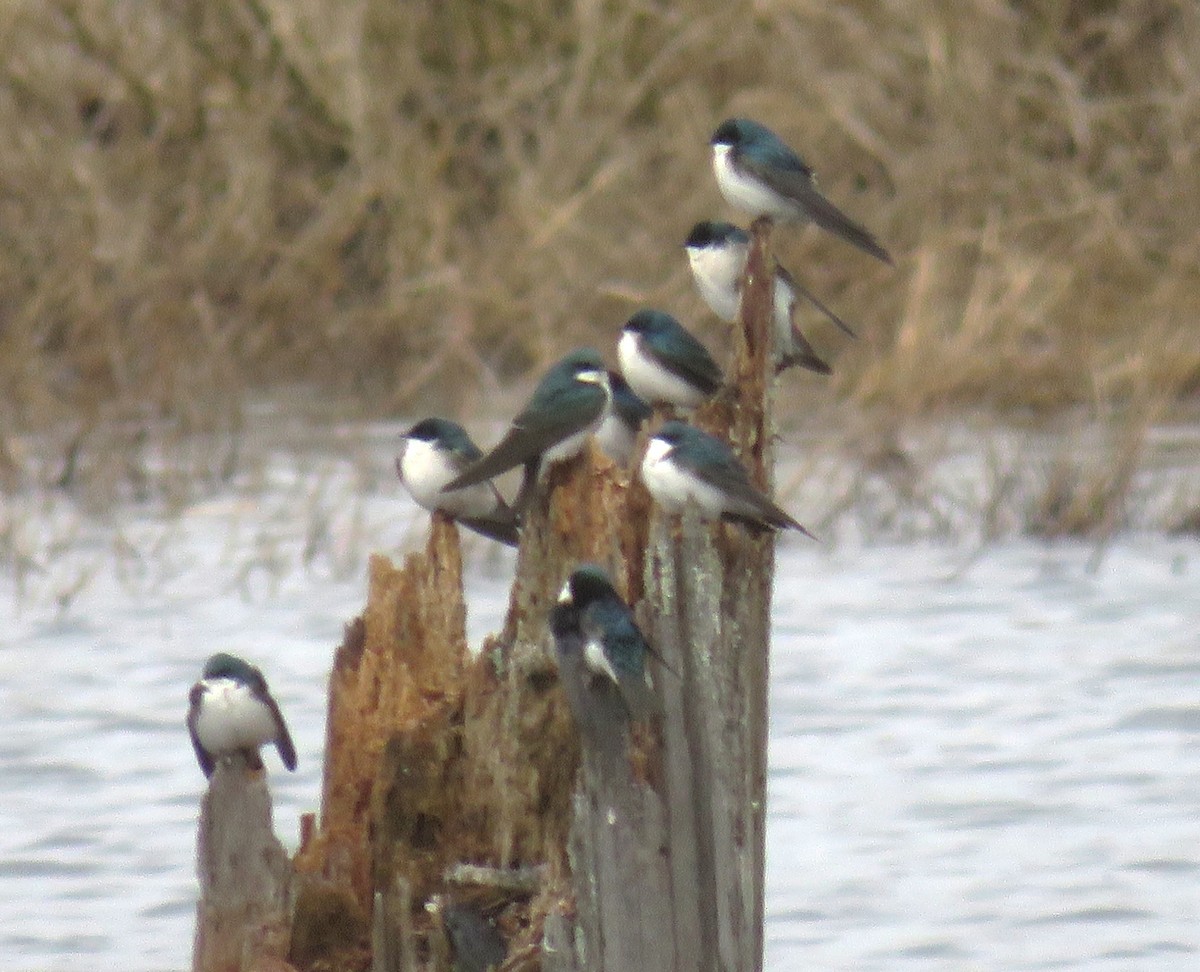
(757, 142)
(230, 710)
(588, 583)
(715, 233)
(572, 393)
(222, 665)
(659, 326)
(760, 175)
(614, 648)
(694, 445)
(444, 435)
(583, 366)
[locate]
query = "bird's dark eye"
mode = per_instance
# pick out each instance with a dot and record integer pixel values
(424, 430)
(726, 134)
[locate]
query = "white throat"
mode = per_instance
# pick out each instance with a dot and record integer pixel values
(746, 193)
(649, 379)
(672, 487)
(232, 718)
(425, 469)
(717, 271)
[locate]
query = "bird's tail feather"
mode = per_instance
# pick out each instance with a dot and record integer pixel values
(826, 215)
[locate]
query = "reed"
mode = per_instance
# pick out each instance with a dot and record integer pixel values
(402, 203)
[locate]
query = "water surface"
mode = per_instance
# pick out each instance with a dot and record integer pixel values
(979, 760)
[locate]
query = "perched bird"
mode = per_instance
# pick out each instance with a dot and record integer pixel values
(432, 453)
(567, 406)
(683, 463)
(592, 623)
(623, 419)
(662, 362)
(231, 711)
(758, 174)
(717, 254)
(478, 945)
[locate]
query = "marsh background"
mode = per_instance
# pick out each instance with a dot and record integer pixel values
(413, 205)
(244, 242)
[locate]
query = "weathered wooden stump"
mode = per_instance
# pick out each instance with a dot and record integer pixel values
(668, 871)
(244, 917)
(645, 855)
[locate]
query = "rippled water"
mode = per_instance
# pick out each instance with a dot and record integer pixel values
(990, 770)
(978, 761)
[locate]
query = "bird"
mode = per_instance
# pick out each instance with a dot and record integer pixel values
(623, 420)
(663, 362)
(717, 253)
(758, 174)
(592, 623)
(478, 944)
(683, 463)
(432, 453)
(231, 711)
(567, 406)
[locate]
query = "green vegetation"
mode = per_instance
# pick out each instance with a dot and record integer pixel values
(418, 202)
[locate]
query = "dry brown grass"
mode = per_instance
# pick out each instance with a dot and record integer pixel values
(418, 202)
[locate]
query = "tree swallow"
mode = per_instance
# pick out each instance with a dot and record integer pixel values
(623, 420)
(717, 254)
(683, 463)
(592, 622)
(758, 174)
(231, 711)
(478, 944)
(567, 406)
(662, 362)
(432, 453)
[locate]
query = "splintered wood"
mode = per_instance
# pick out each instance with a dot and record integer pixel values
(461, 819)
(435, 756)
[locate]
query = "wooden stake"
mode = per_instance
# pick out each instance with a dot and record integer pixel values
(243, 918)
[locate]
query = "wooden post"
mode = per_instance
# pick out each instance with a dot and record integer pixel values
(668, 872)
(243, 919)
(646, 854)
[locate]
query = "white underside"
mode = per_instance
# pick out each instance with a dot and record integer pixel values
(597, 661)
(718, 275)
(425, 469)
(717, 271)
(672, 488)
(785, 302)
(615, 438)
(570, 447)
(749, 195)
(231, 718)
(649, 380)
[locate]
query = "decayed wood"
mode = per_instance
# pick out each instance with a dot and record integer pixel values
(436, 758)
(647, 845)
(243, 919)
(396, 686)
(668, 873)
